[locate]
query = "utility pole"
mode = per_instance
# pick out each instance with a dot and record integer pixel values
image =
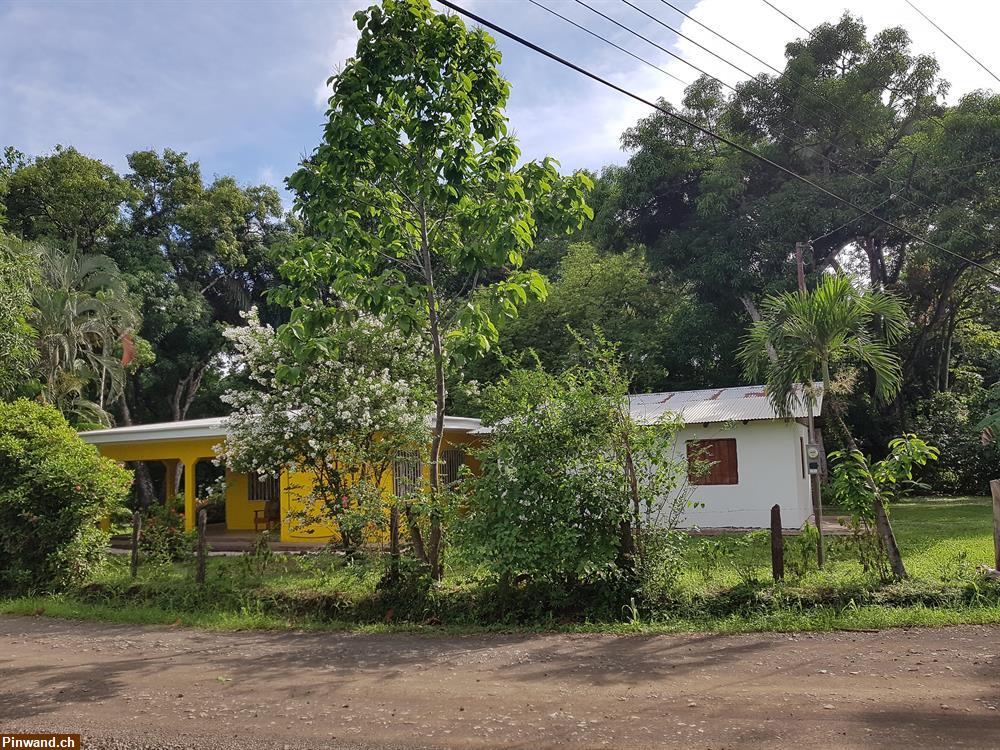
(799, 265)
(807, 394)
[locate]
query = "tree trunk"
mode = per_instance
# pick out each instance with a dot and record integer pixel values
(186, 391)
(888, 539)
(143, 481)
(630, 537)
(434, 547)
(882, 525)
(416, 538)
(754, 314)
(946, 365)
(394, 541)
(434, 543)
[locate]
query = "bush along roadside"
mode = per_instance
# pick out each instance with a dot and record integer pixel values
(415, 600)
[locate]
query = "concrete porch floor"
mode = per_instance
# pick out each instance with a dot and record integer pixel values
(229, 541)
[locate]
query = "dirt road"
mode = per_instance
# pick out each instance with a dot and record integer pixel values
(132, 687)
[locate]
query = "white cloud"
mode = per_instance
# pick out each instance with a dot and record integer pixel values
(243, 85)
(580, 122)
(341, 48)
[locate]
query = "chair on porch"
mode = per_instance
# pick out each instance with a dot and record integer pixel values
(268, 517)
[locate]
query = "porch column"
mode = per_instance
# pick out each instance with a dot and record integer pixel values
(170, 479)
(189, 476)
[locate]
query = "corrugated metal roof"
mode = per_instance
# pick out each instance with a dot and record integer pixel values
(746, 403)
(213, 427)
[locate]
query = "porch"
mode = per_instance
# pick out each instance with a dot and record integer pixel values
(178, 457)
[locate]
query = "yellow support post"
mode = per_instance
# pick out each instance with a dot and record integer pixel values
(170, 480)
(189, 489)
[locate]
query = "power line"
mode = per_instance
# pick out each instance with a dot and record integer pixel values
(967, 166)
(682, 36)
(780, 11)
(649, 41)
(706, 131)
(727, 41)
(812, 35)
(771, 84)
(799, 85)
(952, 40)
(608, 41)
(790, 120)
(848, 223)
(646, 39)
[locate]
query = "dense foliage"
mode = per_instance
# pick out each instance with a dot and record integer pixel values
(416, 207)
(18, 267)
(573, 487)
(54, 491)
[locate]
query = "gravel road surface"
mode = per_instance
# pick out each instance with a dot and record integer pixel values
(129, 687)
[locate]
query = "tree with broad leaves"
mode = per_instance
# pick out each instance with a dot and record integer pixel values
(18, 273)
(416, 208)
(801, 335)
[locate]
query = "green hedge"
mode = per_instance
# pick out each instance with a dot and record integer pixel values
(54, 491)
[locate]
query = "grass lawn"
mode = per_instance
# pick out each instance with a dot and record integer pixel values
(724, 587)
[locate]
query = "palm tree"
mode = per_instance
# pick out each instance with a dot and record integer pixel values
(801, 334)
(82, 314)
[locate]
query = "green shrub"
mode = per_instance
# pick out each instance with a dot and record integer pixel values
(572, 487)
(949, 421)
(163, 539)
(54, 491)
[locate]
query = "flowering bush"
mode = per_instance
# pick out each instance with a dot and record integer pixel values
(163, 539)
(342, 416)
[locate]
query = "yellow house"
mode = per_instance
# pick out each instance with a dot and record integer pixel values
(180, 446)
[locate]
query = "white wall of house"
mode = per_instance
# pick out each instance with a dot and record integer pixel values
(770, 468)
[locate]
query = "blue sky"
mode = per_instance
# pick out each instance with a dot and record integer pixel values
(239, 85)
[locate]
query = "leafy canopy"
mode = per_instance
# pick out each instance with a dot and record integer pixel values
(414, 198)
(18, 273)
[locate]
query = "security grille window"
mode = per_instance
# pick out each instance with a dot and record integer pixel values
(451, 462)
(264, 489)
(720, 455)
(407, 474)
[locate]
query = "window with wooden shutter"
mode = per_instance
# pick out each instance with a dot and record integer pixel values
(720, 455)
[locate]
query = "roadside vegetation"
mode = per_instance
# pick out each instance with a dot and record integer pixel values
(426, 268)
(724, 586)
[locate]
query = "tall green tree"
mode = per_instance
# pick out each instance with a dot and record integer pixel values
(66, 196)
(199, 255)
(18, 273)
(415, 203)
(656, 322)
(800, 338)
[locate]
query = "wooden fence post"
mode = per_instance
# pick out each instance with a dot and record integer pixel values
(136, 531)
(200, 570)
(995, 491)
(777, 544)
